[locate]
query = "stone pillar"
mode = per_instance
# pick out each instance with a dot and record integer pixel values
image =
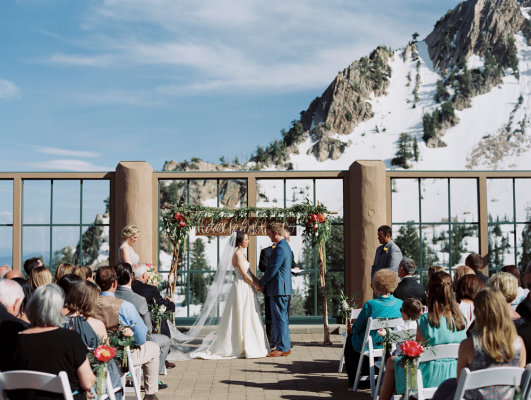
(365, 211)
(132, 204)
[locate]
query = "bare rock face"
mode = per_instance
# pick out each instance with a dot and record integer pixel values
(343, 104)
(473, 27)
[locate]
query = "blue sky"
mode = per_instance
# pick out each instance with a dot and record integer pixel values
(86, 84)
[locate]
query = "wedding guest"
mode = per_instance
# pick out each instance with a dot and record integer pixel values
(145, 353)
(388, 254)
(467, 289)
(3, 270)
(507, 284)
(124, 272)
(494, 343)
(46, 347)
(14, 273)
(458, 273)
(410, 311)
(84, 272)
(130, 234)
(39, 276)
(26, 288)
(151, 293)
(32, 263)
(11, 298)
(62, 270)
(408, 287)
(384, 305)
(475, 261)
(442, 324)
(524, 308)
(433, 269)
(522, 293)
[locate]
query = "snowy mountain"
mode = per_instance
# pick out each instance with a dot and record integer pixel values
(459, 99)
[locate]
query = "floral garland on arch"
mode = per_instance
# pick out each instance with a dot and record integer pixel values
(179, 220)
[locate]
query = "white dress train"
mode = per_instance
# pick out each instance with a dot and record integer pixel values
(241, 331)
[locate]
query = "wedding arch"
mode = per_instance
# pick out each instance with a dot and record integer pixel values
(178, 221)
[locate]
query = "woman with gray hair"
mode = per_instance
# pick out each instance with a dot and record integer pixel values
(46, 347)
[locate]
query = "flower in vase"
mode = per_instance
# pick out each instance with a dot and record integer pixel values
(411, 348)
(104, 353)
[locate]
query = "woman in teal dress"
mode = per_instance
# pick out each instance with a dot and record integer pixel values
(442, 324)
(384, 305)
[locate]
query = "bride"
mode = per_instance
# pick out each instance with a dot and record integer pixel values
(241, 331)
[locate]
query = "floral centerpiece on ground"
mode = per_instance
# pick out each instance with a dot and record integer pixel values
(98, 360)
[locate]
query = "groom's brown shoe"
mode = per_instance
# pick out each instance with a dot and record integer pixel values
(275, 353)
(286, 353)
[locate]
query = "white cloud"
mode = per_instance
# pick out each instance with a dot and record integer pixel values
(80, 60)
(67, 153)
(69, 165)
(8, 90)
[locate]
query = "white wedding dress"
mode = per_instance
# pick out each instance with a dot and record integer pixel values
(241, 331)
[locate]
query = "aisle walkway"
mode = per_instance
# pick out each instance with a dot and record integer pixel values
(310, 372)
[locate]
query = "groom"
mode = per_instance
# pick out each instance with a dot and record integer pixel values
(277, 283)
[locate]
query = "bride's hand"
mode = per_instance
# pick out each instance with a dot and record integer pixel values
(258, 288)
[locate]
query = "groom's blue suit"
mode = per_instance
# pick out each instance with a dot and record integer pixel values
(277, 282)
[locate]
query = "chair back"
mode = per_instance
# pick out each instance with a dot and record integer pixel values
(35, 380)
(438, 352)
(487, 377)
(354, 313)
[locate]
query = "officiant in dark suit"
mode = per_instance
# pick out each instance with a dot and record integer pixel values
(388, 255)
(408, 287)
(265, 256)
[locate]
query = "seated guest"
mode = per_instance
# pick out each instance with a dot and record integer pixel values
(522, 293)
(508, 286)
(459, 272)
(26, 288)
(524, 308)
(124, 271)
(80, 301)
(84, 272)
(410, 312)
(14, 273)
(46, 347)
(494, 343)
(39, 276)
(408, 287)
(151, 293)
(113, 312)
(384, 305)
(32, 263)
(4, 269)
(433, 269)
(62, 270)
(467, 288)
(442, 324)
(475, 261)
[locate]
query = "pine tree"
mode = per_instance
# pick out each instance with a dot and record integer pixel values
(408, 242)
(404, 152)
(198, 283)
(415, 149)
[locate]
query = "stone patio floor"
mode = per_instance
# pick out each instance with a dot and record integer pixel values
(309, 372)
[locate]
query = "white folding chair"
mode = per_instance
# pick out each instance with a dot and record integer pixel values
(487, 377)
(368, 350)
(434, 353)
(135, 373)
(400, 336)
(353, 315)
(109, 389)
(525, 383)
(13, 380)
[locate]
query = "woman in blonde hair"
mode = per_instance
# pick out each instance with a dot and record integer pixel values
(62, 270)
(39, 276)
(127, 254)
(494, 343)
(442, 324)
